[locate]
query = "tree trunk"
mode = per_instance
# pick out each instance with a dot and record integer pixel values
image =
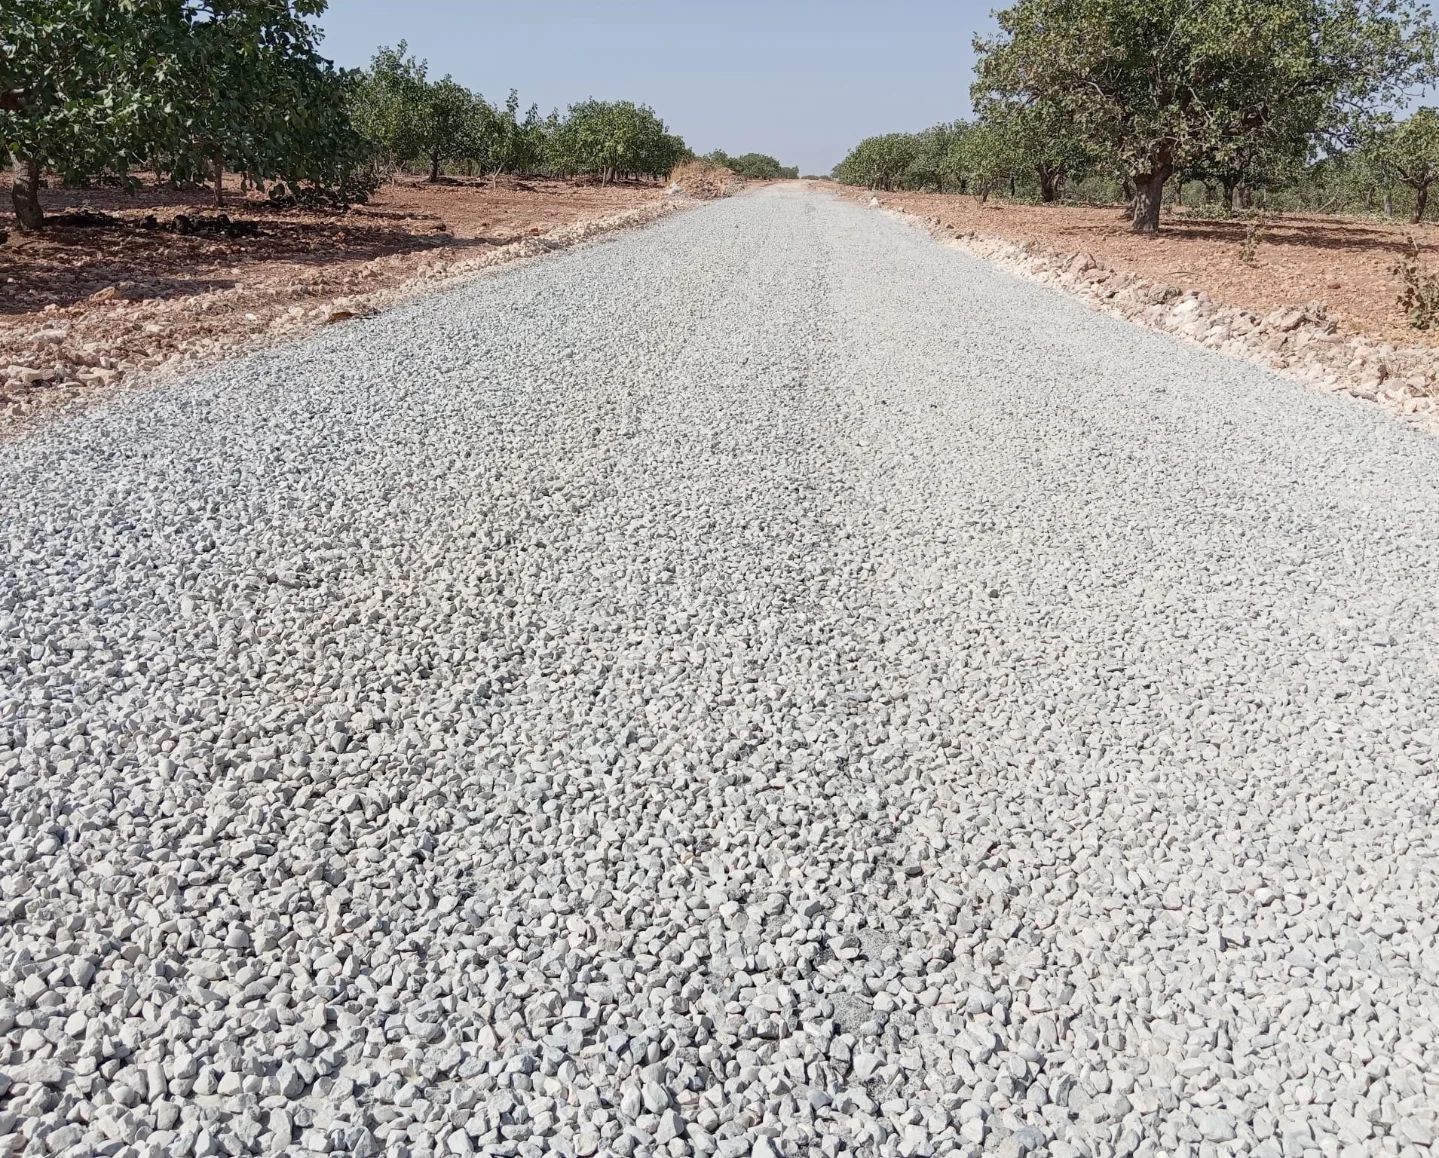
(1246, 197)
(1050, 181)
(434, 168)
(1127, 188)
(1389, 203)
(219, 163)
(1421, 202)
(1229, 185)
(25, 193)
(1149, 196)
(1011, 186)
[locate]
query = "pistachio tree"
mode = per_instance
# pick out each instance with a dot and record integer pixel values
(1161, 86)
(932, 164)
(509, 143)
(990, 156)
(1408, 154)
(384, 101)
(98, 86)
(448, 122)
(879, 162)
(253, 95)
(406, 116)
(83, 83)
(610, 139)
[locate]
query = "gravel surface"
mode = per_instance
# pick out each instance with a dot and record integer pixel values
(767, 684)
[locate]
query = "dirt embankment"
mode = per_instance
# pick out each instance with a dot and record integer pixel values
(160, 280)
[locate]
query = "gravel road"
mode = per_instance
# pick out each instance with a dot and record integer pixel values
(765, 684)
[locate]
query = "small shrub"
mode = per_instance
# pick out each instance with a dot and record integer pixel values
(1419, 289)
(1253, 235)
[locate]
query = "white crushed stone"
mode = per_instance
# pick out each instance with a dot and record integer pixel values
(764, 685)
(1300, 342)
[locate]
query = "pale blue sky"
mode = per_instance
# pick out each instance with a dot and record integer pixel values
(800, 79)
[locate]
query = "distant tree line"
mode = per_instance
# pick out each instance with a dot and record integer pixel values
(413, 122)
(1292, 103)
(190, 90)
(755, 166)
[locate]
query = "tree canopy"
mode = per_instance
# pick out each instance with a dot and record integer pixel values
(1409, 153)
(1160, 86)
(879, 162)
(79, 86)
(615, 138)
(96, 86)
(252, 93)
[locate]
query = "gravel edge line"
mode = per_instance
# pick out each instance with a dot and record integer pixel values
(1302, 345)
(457, 273)
(428, 279)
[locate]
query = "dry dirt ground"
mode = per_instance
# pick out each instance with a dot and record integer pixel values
(1344, 262)
(85, 306)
